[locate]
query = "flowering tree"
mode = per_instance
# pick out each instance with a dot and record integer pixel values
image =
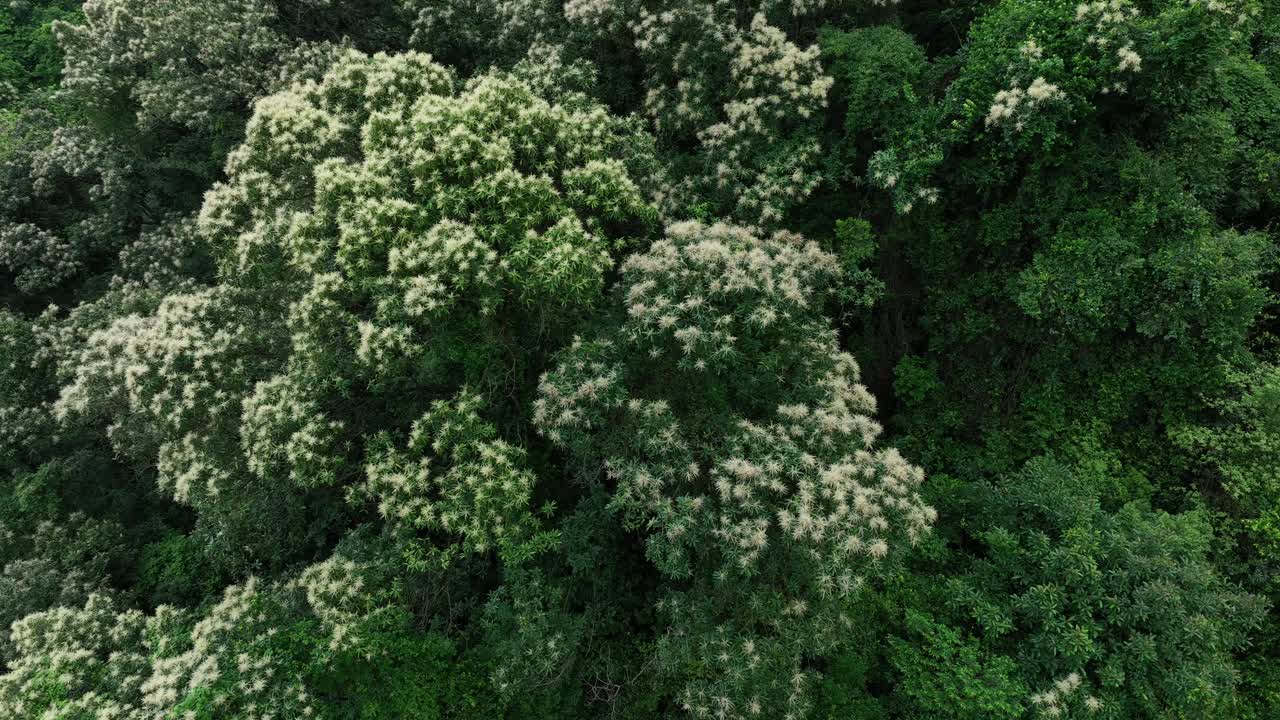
(261, 650)
(405, 237)
(65, 201)
(732, 93)
(763, 498)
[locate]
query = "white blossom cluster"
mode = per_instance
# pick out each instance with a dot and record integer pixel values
(306, 61)
(1059, 700)
(97, 660)
(785, 475)
(805, 476)
(172, 383)
(719, 75)
(482, 494)
(449, 261)
(39, 245)
(458, 200)
(762, 688)
(735, 88)
(598, 14)
(1015, 104)
(95, 654)
(182, 61)
(191, 62)
(554, 72)
(167, 376)
(1106, 18)
(1011, 105)
(38, 575)
(1238, 11)
(494, 186)
(701, 287)
(42, 258)
(1092, 49)
(25, 418)
(161, 259)
(1110, 26)
(348, 595)
(496, 30)
(226, 655)
(35, 583)
(765, 61)
(22, 425)
(75, 151)
(846, 507)
(905, 176)
(366, 215)
(283, 434)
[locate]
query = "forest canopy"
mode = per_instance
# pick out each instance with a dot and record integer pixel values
(719, 359)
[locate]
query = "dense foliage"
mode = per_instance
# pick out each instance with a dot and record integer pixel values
(639, 358)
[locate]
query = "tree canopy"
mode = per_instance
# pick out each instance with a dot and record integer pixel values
(424, 359)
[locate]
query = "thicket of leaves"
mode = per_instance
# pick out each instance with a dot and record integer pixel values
(631, 359)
